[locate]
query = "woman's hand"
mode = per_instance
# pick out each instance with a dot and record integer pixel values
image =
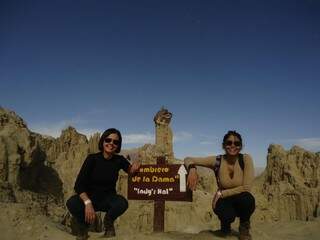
(215, 199)
(90, 214)
(192, 179)
(135, 166)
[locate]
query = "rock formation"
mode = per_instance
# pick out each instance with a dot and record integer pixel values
(292, 182)
(164, 133)
(25, 174)
(38, 169)
(147, 154)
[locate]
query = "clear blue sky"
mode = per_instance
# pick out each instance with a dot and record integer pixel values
(252, 66)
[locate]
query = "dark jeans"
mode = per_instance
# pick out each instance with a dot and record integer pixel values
(113, 204)
(241, 205)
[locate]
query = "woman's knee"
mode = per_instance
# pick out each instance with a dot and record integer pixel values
(118, 207)
(227, 216)
(225, 213)
(70, 203)
(247, 201)
(122, 203)
(74, 203)
(249, 198)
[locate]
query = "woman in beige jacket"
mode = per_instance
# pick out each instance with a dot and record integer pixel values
(234, 173)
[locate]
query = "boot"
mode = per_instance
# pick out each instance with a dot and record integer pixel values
(82, 234)
(79, 229)
(225, 229)
(244, 231)
(109, 227)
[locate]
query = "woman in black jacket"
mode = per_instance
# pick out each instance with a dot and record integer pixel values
(96, 185)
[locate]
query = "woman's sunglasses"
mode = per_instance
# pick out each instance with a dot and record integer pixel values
(110, 140)
(236, 143)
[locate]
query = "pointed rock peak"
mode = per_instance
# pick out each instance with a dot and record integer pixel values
(275, 148)
(297, 149)
(70, 133)
(95, 136)
(8, 117)
(69, 129)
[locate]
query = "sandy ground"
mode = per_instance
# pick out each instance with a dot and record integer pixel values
(18, 222)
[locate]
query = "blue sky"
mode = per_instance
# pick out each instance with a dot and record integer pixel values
(252, 66)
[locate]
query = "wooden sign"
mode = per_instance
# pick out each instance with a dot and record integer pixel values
(159, 182)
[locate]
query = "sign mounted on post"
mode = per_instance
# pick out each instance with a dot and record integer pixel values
(159, 182)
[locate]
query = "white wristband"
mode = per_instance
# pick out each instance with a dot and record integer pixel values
(86, 202)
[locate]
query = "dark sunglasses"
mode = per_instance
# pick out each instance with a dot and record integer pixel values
(236, 143)
(110, 140)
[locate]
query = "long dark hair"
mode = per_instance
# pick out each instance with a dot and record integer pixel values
(105, 134)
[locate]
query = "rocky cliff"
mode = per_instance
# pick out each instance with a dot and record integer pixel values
(291, 184)
(39, 169)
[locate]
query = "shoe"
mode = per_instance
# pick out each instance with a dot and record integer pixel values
(82, 237)
(223, 234)
(81, 232)
(225, 229)
(244, 231)
(109, 227)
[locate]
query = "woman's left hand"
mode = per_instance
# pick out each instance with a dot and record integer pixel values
(135, 166)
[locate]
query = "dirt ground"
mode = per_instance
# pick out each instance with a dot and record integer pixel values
(18, 222)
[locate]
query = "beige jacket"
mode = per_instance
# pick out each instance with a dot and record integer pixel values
(241, 180)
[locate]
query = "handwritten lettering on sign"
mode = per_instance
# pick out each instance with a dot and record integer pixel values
(159, 182)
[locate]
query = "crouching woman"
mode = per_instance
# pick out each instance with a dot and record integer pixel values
(96, 186)
(234, 173)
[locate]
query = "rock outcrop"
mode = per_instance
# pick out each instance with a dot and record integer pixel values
(164, 137)
(38, 169)
(18, 147)
(291, 183)
(66, 156)
(147, 154)
(24, 172)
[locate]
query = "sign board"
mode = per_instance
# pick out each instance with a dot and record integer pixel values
(159, 182)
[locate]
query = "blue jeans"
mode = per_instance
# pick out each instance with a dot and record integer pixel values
(113, 204)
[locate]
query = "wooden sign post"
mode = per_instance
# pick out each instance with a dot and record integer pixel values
(161, 182)
(159, 207)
